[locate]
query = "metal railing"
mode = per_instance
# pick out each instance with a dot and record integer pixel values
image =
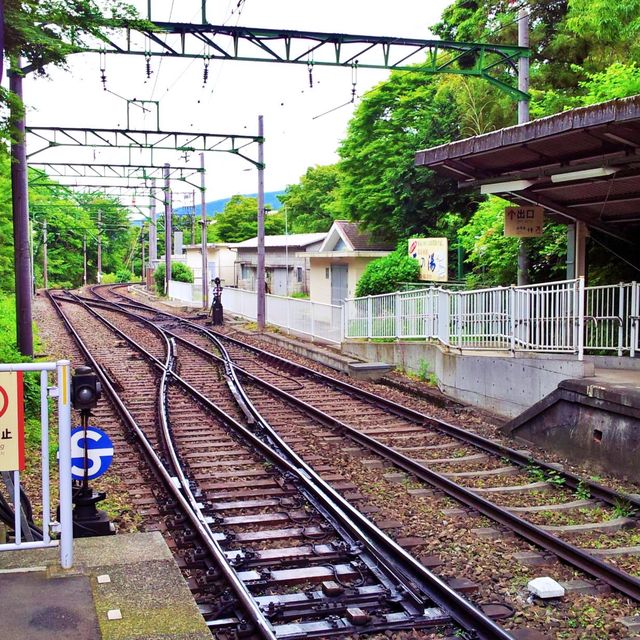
(313, 319)
(612, 315)
(62, 391)
(544, 317)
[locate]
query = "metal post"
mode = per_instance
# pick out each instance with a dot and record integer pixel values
(19, 194)
(84, 259)
(44, 456)
(99, 276)
(64, 440)
(523, 116)
(261, 282)
(44, 255)
(580, 319)
(153, 227)
(203, 238)
(142, 270)
(167, 229)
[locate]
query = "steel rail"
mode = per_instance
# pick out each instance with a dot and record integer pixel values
(256, 615)
(623, 582)
(573, 481)
(419, 577)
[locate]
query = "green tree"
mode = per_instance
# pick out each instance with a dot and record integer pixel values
(239, 221)
(314, 203)
(380, 184)
(385, 274)
(180, 272)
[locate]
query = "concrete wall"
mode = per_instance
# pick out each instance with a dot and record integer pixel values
(222, 257)
(502, 384)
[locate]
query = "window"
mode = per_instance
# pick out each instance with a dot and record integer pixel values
(298, 274)
(246, 272)
(327, 273)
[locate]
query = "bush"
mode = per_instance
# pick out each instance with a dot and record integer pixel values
(108, 278)
(123, 275)
(384, 274)
(179, 272)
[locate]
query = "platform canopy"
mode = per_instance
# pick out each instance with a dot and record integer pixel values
(581, 165)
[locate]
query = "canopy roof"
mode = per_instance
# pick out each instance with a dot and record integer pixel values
(602, 138)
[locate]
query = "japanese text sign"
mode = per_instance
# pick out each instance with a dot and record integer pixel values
(523, 222)
(11, 422)
(432, 254)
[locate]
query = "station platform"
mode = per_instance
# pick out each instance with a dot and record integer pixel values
(123, 587)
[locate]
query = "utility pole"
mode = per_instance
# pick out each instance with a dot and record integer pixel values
(99, 275)
(203, 239)
(193, 217)
(523, 116)
(260, 275)
(84, 259)
(44, 255)
(153, 226)
(167, 229)
(142, 263)
(19, 196)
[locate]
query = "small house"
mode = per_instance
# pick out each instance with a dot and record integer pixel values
(340, 261)
(286, 262)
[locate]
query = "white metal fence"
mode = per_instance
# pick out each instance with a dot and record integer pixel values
(553, 317)
(313, 319)
(62, 391)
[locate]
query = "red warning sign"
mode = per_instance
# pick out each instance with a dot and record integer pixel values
(11, 421)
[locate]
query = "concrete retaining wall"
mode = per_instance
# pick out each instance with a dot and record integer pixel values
(495, 382)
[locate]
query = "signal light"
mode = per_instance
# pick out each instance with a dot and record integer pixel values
(85, 389)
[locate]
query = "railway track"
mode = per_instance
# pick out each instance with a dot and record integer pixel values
(482, 475)
(270, 548)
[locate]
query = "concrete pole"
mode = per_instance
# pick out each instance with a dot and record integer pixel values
(260, 266)
(99, 276)
(84, 259)
(203, 238)
(193, 217)
(44, 255)
(142, 270)
(523, 116)
(20, 202)
(153, 227)
(167, 229)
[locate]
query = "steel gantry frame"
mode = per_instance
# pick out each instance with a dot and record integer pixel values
(124, 171)
(496, 63)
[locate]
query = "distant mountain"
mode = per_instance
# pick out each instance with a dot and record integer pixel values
(216, 206)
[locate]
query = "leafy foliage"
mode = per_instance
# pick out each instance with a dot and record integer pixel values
(180, 272)
(385, 274)
(239, 221)
(381, 186)
(312, 205)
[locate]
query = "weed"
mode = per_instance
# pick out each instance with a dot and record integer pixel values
(555, 478)
(582, 491)
(623, 509)
(535, 473)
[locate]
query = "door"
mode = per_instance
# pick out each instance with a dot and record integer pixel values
(339, 283)
(279, 282)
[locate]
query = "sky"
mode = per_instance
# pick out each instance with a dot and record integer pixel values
(234, 95)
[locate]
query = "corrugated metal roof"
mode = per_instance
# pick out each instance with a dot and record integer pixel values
(361, 240)
(605, 135)
(292, 240)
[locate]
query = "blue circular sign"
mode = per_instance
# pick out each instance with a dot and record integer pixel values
(99, 452)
